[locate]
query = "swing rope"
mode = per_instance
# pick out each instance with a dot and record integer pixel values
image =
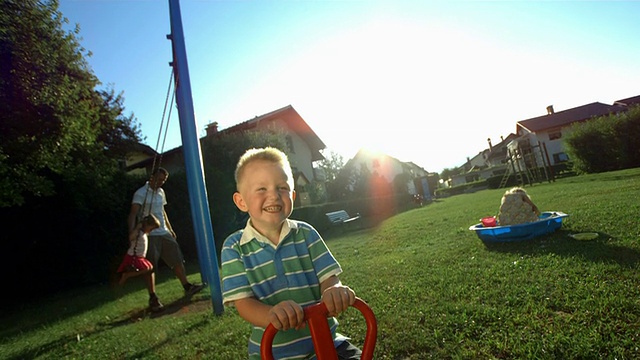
(164, 111)
(157, 159)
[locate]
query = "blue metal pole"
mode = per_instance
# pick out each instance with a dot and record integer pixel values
(193, 162)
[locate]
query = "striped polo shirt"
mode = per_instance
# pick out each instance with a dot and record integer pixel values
(252, 266)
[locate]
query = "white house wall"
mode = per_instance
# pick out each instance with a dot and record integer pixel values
(479, 160)
(300, 158)
(553, 146)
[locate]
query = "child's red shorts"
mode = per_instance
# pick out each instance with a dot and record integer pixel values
(131, 262)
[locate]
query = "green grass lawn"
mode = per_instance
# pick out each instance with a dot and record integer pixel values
(436, 289)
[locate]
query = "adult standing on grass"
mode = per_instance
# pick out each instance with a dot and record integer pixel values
(150, 199)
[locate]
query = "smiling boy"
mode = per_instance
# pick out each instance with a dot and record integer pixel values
(275, 266)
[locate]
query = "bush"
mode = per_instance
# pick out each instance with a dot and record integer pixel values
(606, 143)
(461, 189)
(495, 181)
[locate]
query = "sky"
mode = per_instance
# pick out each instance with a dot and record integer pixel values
(422, 81)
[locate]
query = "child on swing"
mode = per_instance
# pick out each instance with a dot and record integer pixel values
(135, 263)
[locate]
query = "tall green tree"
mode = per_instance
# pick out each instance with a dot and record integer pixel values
(331, 165)
(61, 140)
(52, 118)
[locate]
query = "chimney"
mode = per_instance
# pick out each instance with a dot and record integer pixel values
(549, 109)
(212, 129)
(490, 147)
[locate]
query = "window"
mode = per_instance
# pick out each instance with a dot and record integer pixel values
(560, 157)
(289, 141)
(555, 134)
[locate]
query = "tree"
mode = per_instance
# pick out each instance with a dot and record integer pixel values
(331, 165)
(119, 133)
(60, 143)
(447, 173)
(52, 120)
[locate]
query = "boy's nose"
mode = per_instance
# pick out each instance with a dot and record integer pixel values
(273, 194)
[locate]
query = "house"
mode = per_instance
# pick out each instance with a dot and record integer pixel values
(547, 130)
(497, 155)
(487, 163)
(537, 142)
(139, 153)
(393, 172)
(628, 102)
(303, 144)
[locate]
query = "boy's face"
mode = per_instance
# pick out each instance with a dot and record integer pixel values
(264, 193)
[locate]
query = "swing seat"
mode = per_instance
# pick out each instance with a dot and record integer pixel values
(316, 318)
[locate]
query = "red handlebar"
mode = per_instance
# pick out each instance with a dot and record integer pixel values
(315, 316)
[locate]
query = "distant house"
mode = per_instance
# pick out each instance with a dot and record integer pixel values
(497, 155)
(487, 163)
(303, 144)
(548, 130)
(494, 155)
(415, 179)
(533, 136)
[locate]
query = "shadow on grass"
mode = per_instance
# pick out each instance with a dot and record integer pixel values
(152, 350)
(181, 306)
(43, 349)
(561, 244)
(54, 308)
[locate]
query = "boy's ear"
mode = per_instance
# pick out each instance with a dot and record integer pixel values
(239, 201)
(293, 195)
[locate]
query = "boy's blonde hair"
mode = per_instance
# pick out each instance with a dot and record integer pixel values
(268, 153)
(150, 220)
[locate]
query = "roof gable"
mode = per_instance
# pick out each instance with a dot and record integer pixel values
(286, 114)
(384, 163)
(293, 120)
(566, 117)
(499, 150)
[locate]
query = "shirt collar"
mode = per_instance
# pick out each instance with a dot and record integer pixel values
(149, 188)
(251, 233)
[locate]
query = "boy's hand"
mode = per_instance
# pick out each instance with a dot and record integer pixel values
(287, 315)
(338, 298)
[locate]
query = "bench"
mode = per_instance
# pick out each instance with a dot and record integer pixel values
(341, 217)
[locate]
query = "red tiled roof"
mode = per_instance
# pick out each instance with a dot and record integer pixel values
(287, 114)
(566, 117)
(628, 101)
